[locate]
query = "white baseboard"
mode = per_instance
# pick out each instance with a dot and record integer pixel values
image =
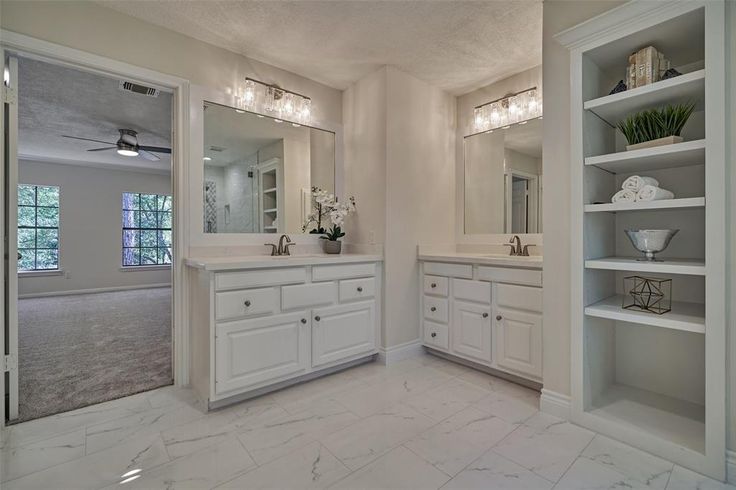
(555, 404)
(91, 291)
(400, 352)
(731, 466)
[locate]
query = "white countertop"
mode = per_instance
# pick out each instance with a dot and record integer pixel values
(265, 261)
(531, 262)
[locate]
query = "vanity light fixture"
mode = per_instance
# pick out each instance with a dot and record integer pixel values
(271, 100)
(513, 109)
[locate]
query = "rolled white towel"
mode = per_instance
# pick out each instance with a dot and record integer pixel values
(624, 195)
(636, 182)
(654, 193)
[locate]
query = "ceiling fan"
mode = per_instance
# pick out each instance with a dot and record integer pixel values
(127, 146)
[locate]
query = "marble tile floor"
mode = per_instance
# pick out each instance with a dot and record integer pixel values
(424, 423)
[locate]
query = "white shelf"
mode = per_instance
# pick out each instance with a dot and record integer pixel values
(677, 421)
(683, 154)
(689, 317)
(272, 210)
(267, 191)
(668, 266)
(613, 108)
(691, 202)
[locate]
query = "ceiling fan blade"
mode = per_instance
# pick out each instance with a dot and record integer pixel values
(86, 139)
(105, 148)
(157, 149)
(147, 155)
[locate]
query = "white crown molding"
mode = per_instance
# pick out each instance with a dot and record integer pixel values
(119, 167)
(627, 18)
(407, 350)
(555, 403)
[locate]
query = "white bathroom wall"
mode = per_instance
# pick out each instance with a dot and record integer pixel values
(91, 226)
(399, 134)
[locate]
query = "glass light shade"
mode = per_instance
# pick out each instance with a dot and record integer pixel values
(127, 153)
(514, 109)
(249, 93)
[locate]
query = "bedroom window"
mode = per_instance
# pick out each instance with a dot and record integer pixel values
(146, 229)
(38, 227)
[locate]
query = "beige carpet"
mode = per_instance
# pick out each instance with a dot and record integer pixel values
(79, 350)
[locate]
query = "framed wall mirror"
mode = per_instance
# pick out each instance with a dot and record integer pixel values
(503, 180)
(259, 171)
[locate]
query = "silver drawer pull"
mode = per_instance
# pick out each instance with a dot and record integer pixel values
(360, 289)
(434, 334)
(317, 318)
(433, 309)
(433, 285)
(485, 315)
(247, 303)
(499, 317)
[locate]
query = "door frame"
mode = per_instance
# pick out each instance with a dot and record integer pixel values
(532, 203)
(29, 47)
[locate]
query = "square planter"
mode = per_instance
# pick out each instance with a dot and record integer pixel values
(667, 140)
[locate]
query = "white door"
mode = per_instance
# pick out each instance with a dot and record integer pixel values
(471, 330)
(519, 341)
(250, 352)
(519, 198)
(10, 233)
(340, 332)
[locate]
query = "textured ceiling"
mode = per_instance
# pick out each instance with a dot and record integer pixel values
(455, 45)
(54, 100)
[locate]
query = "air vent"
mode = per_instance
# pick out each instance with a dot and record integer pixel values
(138, 89)
(218, 149)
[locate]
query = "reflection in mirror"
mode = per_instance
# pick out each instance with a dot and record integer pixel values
(503, 180)
(259, 171)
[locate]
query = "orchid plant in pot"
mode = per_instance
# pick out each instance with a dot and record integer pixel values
(327, 211)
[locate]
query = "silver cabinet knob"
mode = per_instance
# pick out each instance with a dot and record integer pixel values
(317, 318)
(360, 289)
(433, 285)
(499, 317)
(485, 315)
(433, 309)
(304, 321)
(434, 334)
(247, 303)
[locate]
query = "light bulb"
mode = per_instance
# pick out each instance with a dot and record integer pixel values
(249, 93)
(127, 153)
(207, 159)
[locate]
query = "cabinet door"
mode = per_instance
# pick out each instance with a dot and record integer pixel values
(249, 352)
(519, 341)
(471, 330)
(343, 331)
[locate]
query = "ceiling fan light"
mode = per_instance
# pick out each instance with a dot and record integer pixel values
(127, 153)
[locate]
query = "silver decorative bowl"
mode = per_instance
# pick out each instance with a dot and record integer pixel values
(650, 242)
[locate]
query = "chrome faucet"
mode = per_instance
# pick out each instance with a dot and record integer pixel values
(283, 248)
(517, 249)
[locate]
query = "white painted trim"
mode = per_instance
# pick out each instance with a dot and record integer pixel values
(40, 273)
(50, 52)
(407, 350)
(141, 268)
(93, 291)
(731, 466)
(555, 404)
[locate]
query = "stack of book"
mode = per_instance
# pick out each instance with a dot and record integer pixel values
(645, 66)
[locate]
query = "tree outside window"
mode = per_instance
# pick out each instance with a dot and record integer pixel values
(38, 227)
(146, 229)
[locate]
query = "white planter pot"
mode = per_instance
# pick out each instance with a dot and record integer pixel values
(667, 140)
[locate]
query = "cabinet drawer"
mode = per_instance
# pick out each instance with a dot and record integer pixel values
(436, 309)
(304, 295)
(357, 289)
(342, 271)
(451, 270)
(259, 278)
(513, 276)
(519, 297)
(249, 302)
(435, 285)
(477, 291)
(436, 335)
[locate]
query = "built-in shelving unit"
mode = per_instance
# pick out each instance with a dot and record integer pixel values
(657, 382)
(270, 180)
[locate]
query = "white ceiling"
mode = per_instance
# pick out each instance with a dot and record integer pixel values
(455, 45)
(55, 100)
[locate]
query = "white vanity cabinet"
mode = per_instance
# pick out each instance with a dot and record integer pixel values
(256, 326)
(488, 314)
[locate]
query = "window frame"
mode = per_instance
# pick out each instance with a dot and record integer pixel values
(139, 229)
(35, 249)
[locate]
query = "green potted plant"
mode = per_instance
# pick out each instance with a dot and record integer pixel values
(328, 210)
(656, 127)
